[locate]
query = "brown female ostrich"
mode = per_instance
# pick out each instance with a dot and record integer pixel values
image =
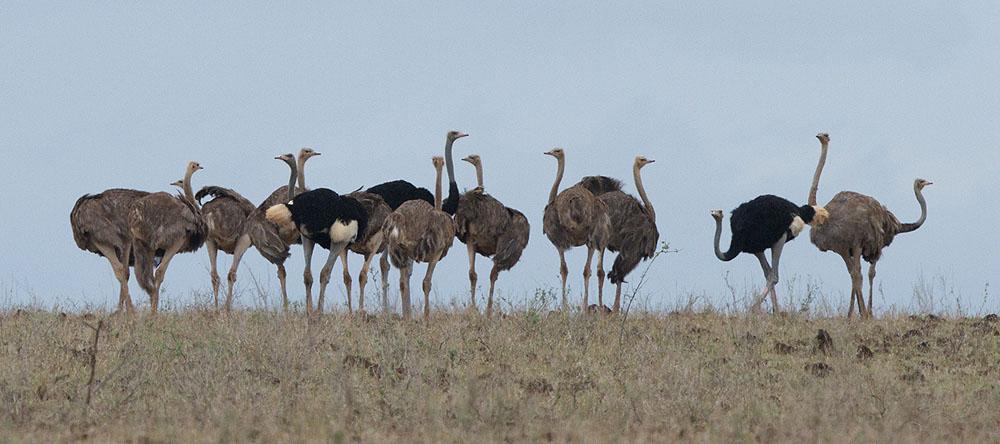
(368, 244)
(225, 216)
(576, 217)
(489, 228)
(859, 227)
(100, 225)
(416, 231)
(163, 225)
(271, 241)
(633, 230)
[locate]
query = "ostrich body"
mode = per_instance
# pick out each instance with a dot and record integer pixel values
(163, 225)
(489, 228)
(859, 227)
(100, 226)
(368, 244)
(271, 241)
(633, 230)
(766, 222)
(225, 217)
(419, 232)
(576, 217)
(322, 217)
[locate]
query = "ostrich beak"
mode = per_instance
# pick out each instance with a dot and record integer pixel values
(461, 135)
(549, 153)
(317, 153)
(650, 161)
(467, 159)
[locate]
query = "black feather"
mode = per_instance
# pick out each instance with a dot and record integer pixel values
(599, 185)
(318, 209)
(396, 192)
(758, 224)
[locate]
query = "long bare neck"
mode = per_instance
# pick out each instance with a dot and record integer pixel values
(559, 175)
(819, 170)
(642, 192)
(447, 160)
(479, 173)
(723, 256)
(188, 192)
(294, 171)
(906, 228)
(300, 164)
(437, 189)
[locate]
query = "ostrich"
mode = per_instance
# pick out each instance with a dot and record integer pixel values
(225, 216)
(271, 242)
(633, 230)
(322, 217)
(417, 231)
(163, 225)
(859, 227)
(765, 222)
(100, 226)
(489, 228)
(368, 244)
(576, 217)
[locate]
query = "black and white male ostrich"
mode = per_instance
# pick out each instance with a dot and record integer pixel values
(859, 227)
(577, 217)
(100, 226)
(633, 231)
(419, 232)
(163, 225)
(489, 228)
(322, 217)
(766, 222)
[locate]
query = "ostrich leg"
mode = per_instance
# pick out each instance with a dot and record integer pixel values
(282, 275)
(473, 277)
(242, 245)
(773, 279)
(600, 278)
(404, 289)
(427, 286)
(383, 266)
(213, 255)
(161, 273)
(324, 275)
(586, 278)
(563, 272)
(363, 280)
(871, 286)
(121, 274)
(494, 274)
(850, 270)
(857, 282)
(766, 268)
(347, 280)
(618, 298)
(307, 277)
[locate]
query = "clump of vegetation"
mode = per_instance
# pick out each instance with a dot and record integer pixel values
(532, 375)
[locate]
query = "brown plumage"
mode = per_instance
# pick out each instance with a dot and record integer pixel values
(368, 244)
(225, 218)
(416, 231)
(163, 225)
(100, 225)
(489, 228)
(859, 227)
(272, 242)
(576, 217)
(633, 231)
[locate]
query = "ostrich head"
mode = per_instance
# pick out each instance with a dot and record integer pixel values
(178, 183)
(455, 135)
(193, 166)
(474, 159)
(823, 137)
(717, 215)
(813, 214)
(641, 161)
(288, 158)
(558, 153)
(919, 184)
(438, 162)
(306, 153)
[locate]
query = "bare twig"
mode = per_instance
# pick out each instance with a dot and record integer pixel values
(93, 359)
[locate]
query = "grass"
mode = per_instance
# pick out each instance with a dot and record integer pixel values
(195, 376)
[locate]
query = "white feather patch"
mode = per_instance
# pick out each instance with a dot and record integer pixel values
(343, 232)
(395, 233)
(797, 225)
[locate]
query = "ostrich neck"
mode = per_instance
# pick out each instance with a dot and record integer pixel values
(642, 192)
(479, 174)
(906, 228)
(718, 236)
(448, 162)
(437, 189)
(301, 170)
(188, 192)
(294, 171)
(819, 170)
(559, 175)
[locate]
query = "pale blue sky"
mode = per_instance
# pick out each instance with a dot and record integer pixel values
(726, 96)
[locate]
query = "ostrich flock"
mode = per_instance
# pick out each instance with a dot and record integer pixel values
(406, 224)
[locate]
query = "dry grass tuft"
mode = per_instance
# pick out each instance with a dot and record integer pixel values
(196, 376)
